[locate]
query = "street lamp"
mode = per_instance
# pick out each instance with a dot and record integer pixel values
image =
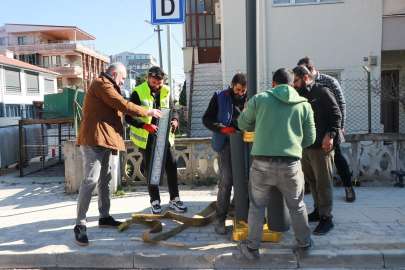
(160, 44)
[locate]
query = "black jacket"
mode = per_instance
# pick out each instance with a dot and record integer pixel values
(327, 115)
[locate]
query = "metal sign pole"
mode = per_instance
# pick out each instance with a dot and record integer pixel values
(169, 59)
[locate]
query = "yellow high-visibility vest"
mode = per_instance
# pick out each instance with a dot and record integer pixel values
(138, 135)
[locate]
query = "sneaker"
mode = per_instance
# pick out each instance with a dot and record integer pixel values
(304, 251)
(155, 207)
(108, 222)
(220, 227)
(177, 205)
(79, 232)
(252, 255)
(350, 195)
(314, 216)
(324, 226)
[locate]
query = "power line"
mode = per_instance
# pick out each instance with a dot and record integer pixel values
(132, 10)
(176, 41)
(137, 46)
(145, 4)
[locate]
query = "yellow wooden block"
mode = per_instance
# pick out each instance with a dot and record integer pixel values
(240, 232)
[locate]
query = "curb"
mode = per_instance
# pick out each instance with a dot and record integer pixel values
(228, 259)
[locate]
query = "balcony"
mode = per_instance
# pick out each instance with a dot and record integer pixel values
(68, 71)
(58, 46)
(393, 30)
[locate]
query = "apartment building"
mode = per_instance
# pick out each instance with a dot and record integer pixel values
(67, 50)
(23, 86)
(135, 62)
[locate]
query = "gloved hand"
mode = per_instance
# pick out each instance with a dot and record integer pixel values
(151, 128)
(227, 130)
(174, 124)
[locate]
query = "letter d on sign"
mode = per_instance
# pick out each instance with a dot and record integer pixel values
(164, 13)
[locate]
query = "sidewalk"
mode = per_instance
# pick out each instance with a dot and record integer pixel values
(37, 220)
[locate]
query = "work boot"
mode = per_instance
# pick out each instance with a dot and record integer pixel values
(314, 216)
(304, 251)
(108, 222)
(350, 195)
(324, 226)
(252, 254)
(220, 227)
(79, 231)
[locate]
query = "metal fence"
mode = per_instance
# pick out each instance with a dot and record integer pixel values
(41, 146)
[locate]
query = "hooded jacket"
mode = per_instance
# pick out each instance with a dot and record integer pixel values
(284, 122)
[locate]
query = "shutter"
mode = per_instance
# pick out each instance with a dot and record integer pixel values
(32, 83)
(49, 86)
(13, 81)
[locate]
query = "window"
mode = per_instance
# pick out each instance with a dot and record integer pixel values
(137, 56)
(13, 84)
(12, 110)
(303, 2)
(55, 61)
(118, 59)
(49, 85)
(138, 66)
(46, 61)
(22, 40)
(128, 57)
(2, 41)
(59, 83)
(146, 66)
(32, 83)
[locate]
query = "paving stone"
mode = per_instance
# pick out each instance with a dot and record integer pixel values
(342, 259)
(271, 258)
(27, 259)
(166, 259)
(96, 259)
(394, 258)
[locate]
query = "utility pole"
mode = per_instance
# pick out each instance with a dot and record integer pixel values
(160, 45)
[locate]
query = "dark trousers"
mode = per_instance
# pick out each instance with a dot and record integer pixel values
(170, 167)
(342, 167)
(225, 181)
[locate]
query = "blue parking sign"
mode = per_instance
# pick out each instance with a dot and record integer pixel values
(168, 12)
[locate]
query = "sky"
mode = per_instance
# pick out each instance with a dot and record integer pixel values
(118, 25)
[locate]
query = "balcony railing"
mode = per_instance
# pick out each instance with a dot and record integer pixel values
(59, 46)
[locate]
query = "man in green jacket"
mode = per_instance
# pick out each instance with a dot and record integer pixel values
(284, 125)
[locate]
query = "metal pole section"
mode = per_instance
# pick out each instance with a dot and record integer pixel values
(169, 59)
(369, 96)
(251, 57)
(20, 139)
(160, 46)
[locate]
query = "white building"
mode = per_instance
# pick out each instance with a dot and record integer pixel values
(22, 85)
(341, 36)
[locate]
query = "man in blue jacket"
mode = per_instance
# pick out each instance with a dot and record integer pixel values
(221, 118)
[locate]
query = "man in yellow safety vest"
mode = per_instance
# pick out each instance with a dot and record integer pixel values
(152, 94)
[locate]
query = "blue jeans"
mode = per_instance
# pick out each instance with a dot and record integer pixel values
(289, 179)
(97, 170)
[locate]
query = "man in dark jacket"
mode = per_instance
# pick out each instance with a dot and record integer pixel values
(221, 117)
(152, 94)
(340, 161)
(317, 159)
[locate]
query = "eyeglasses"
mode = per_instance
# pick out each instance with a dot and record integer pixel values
(157, 74)
(297, 80)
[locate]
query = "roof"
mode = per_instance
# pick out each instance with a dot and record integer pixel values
(17, 63)
(58, 32)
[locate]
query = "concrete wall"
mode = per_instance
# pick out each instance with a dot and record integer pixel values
(75, 173)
